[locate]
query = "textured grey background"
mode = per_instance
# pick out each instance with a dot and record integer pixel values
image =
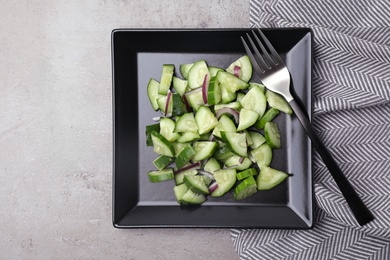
(56, 129)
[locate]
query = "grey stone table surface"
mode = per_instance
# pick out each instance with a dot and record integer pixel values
(56, 129)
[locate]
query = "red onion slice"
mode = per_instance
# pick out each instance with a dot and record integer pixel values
(241, 159)
(206, 173)
(191, 166)
(186, 103)
(213, 186)
(228, 110)
(237, 70)
(169, 95)
(205, 87)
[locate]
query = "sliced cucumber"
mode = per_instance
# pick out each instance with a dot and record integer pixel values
(186, 123)
(257, 139)
(148, 132)
(162, 102)
(245, 68)
(179, 191)
(196, 184)
(180, 85)
(192, 198)
(178, 106)
(204, 150)
(245, 189)
(205, 119)
(166, 78)
(214, 70)
(269, 178)
(197, 73)
(262, 155)
(246, 119)
(226, 124)
(268, 116)
(277, 101)
(236, 142)
(223, 152)
(246, 173)
(178, 147)
(214, 94)
(234, 105)
(238, 163)
(195, 98)
(184, 69)
(225, 178)
(159, 176)
(163, 161)
(161, 145)
(188, 137)
(185, 156)
(272, 135)
(227, 96)
(167, 127)
(212, 165)
(179, 177)
(260, 86)
(255, 100)
(230, 82)
(239, 96)
(153, 86)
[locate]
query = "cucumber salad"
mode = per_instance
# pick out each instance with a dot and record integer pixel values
(216, 132)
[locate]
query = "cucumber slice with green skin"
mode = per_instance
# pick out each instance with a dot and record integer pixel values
(197, 73)
(226, 124)
(179, 177)
(152, 90)
(246, 173)
(179, 191)
(239, 96)
(246, 119)
(212, 165)
(163, 161)
(214, 94)
(186, 123)
(227, 96)
(225, 178)
(192, 198)
(196, 184)
(269, 178)
(234, 105)
(188, 137)
(159, 176)
(262, 155)
(178, 106)
(178, 147)
(268, 116)
(204, 150)
(277, 101)
(162, 102)
(185, 156)
(161, 145)
(180, 85)
(230, 82)
(257, 139)
(260, 86)
(205, 137)
(184, 69)
(245, 65)
(255, 100)
(167, 127)
(236, 142)
(148, 132)
(166, 78)
(245, 189)
(205, 119)
(272, 135)
(195, 98)
(238, 163)
(249, 141)
(214, 71)
(223, 153)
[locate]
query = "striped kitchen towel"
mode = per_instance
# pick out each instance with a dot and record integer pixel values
(351, 96)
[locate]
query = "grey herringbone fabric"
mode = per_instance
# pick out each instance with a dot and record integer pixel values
(351, 94)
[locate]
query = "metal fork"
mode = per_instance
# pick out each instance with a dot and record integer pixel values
(276, 77)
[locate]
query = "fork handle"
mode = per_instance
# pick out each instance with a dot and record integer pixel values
(359, 209)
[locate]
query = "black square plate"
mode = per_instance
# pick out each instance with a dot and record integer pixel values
(137, 56)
